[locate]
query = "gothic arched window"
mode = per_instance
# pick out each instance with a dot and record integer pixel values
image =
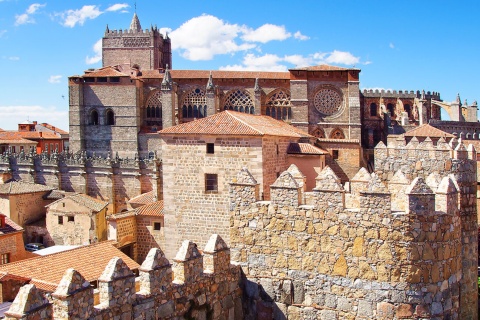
(279, 100)
(408, 110)
(373, 109)
(109, 117)
(391, 109)
(239, 100)
(153, 110)
(337, 134)
(194, 104)
(94, 117)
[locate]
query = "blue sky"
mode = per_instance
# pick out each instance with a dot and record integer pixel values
(401, 45)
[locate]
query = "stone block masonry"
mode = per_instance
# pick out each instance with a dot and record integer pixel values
(186, 290)
(313, 255)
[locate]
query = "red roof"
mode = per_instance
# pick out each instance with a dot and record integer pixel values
(154, 209)
(304, 148)
(38, 135)
(236, 123)
(105, 72)
(323, 67)
(9, 227)
(144, 198)
(53, 128)
(217, 74)
(426, 130)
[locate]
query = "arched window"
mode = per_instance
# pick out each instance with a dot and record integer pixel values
(337, 134)
(109, 118)
(94, 117)
(391, 109)
(153, 114)
(408, 110)
(373, 109)
(279, 100)
(195, 102)
(318, 132)
(239, 99)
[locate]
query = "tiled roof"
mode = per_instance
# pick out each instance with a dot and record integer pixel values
(57, 129)
(21, 187)
(38, 135)
(48, 270)
(105, 72)
(236, 123)
(14, 137)
(121, 215)
(338, 140)
(426, 130)
(85, 200)
(54, 195)
(144, 198)
(323, 67)
(217, 74)
(304, 148)
(9, 227)
(154, 209)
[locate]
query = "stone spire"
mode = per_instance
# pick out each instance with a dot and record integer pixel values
(135, 24)
(257, 86)
(167, 80)
(210, 85)
(458, 100)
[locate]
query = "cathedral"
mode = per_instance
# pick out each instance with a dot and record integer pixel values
(120, 107)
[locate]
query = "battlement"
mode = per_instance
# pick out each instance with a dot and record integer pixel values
(194, 285)
(393, 237)
(370, 93)
(153, 31)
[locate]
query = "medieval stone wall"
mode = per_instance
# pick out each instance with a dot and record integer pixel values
(311, 255)
(147, 237)
(194, 286)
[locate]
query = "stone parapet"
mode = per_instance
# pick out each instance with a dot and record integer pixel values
(214, 292)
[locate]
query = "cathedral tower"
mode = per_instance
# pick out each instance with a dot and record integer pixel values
(148, 48)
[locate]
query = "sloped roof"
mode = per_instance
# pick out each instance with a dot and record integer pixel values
(426, 130)
(51, 127)
(10, 227)
(38, 135)
(84, 200)
(47, 271)
(21, 187)
(54, 195)
(144, 198)
(153, 210)
(304, 148)
(105, 72)
(14, 137)
(236, 123)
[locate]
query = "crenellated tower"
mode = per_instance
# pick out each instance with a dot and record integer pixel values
(148, 48)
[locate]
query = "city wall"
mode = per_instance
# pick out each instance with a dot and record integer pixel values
(195, 286)
(389, 245)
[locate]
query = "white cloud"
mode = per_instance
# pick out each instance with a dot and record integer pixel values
(97, 49)
(271, 62)
(203, 37)
(12, 115)
(267, 32)
(11, 58)
(2, 32)
(341, 57)
(26, 17)
(298, 35)
(72, 17)
(117, 7)
(55, 79)
(391, 45)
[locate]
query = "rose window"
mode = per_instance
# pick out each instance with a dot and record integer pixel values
(327, 101)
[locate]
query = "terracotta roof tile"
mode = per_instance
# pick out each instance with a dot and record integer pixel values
(121, 215)
(14, 137)
(39, 135)
(304, 148)
(236, 123)
(21, 187)
(105, 72)
(10, 227)
(154, 209)
(90, 261)
(54, 195)
(144, 198)
(57, 129)
(84, 200)
(426, 130)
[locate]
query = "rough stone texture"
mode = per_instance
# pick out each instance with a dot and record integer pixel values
(213, 292)
(368, 261)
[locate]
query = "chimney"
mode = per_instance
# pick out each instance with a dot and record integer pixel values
(40, 134)
(35, 122)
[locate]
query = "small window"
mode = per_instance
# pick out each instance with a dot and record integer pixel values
(71, 218)
(373, 109)
(110, 118)
(101, 79)
(210, 148)
(56, 147)
(89, 79)
(5, 258)
(51, 147)
(335, 154)
(211, 182)
(60, 219)
(157, 226)
(94, 117)
(114, 79)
